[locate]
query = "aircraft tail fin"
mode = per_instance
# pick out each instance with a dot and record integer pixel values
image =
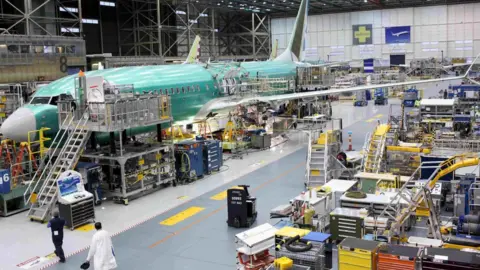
(194, 53)
(273, 55)
(295, 46)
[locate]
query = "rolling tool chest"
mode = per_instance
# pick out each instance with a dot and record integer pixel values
(357, 254)
(449, 259)
(394, 257)
(345, 222)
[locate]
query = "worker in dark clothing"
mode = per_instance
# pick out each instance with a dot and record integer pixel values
(56, 225)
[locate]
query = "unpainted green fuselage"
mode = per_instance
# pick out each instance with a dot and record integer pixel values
(190, 86)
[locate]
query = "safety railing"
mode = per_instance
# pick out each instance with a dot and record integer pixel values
(460, 145)
(46, 162)
(120, 113)
(71, 137)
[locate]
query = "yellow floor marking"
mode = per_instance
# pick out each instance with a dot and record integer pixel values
(370, 120)
(191, 225)
(182, 216)
(378, 115)
(221, 195)
(51, 256)
(86, 228)
(182, 197)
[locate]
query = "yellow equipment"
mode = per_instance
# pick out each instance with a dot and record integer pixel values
(283, 263)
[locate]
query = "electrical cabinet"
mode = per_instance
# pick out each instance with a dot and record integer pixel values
(212, 156)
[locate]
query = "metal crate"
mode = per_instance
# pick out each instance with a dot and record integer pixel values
(314, 258)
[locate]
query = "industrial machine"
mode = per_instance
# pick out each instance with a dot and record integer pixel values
(189, 161)
(381, 97)
(242, 210)
(410, 96)
(92, 176)
(76, 205)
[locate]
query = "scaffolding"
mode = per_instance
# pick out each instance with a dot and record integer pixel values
(167, 29)
(314, 78)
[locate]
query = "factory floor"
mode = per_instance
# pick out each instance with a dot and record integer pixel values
(148, 233)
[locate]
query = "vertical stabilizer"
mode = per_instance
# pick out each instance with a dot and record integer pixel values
(194, 53)
(295, 46)
(274, 50)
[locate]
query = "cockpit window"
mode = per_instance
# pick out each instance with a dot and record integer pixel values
(54, 101)
(40, 100)
(46, 100)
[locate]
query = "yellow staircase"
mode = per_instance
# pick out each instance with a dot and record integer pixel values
(376, 147)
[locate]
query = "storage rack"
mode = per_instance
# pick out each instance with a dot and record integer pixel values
(78, 213)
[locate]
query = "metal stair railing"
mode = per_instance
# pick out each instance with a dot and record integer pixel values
(47, 186)
(366, 148)
(413, 200)
(46, 162)
(309, 157)
(379, 153)
(325, 160)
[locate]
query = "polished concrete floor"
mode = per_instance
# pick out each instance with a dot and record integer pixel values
(201, 241)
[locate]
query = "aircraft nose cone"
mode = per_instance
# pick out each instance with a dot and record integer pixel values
(18, 124)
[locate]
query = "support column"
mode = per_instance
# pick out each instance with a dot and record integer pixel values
(113, 149)
(159, 132)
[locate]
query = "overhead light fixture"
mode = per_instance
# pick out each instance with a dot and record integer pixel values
(181, 12)
(365, 1)
(268, 9)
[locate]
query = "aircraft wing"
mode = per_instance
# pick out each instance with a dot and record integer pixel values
(232, 101)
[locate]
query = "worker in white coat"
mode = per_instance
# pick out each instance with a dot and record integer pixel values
(101, 250)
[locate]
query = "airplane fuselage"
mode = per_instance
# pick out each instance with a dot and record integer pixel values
(190, 87)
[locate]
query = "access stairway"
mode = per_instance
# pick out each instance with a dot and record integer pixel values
(316, 167)
(322, 149)
(419, 202)
(373, 155)
(60, 158)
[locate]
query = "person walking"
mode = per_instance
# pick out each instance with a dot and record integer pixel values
(101, 250)
(56, 225)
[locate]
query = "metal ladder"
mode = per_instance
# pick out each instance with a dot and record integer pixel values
(317, 159)
(66, 160)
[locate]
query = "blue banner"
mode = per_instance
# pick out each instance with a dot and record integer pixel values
(5, 183)
(368, 66)
(397, 34)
